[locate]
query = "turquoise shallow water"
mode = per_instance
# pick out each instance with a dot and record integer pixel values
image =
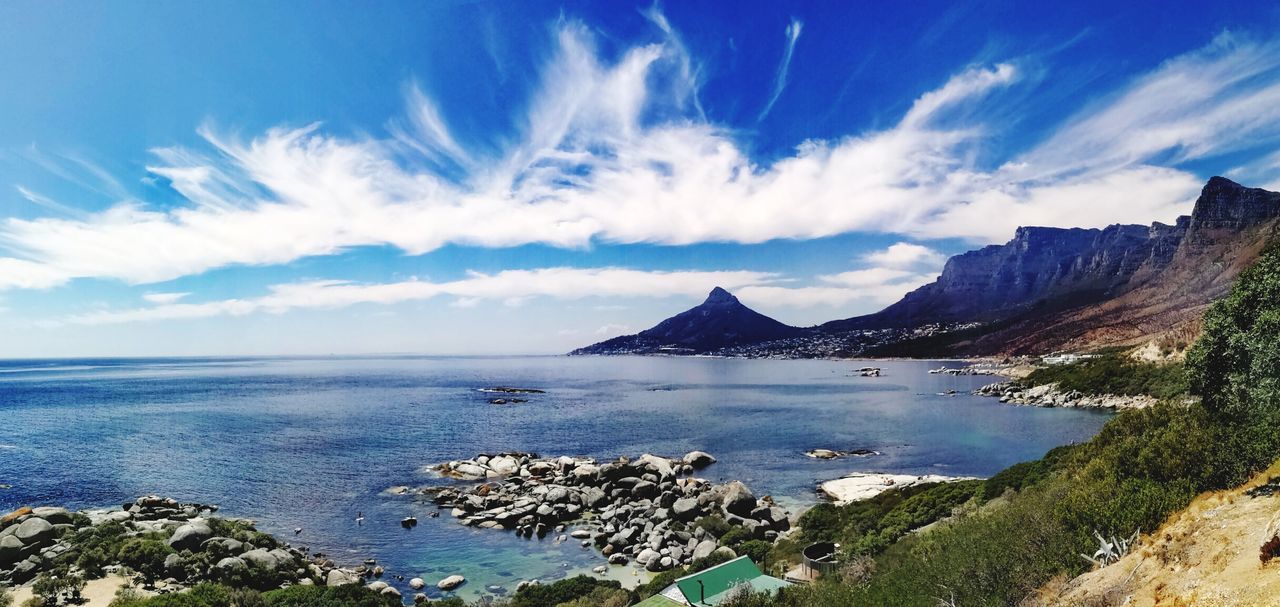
(310, 442)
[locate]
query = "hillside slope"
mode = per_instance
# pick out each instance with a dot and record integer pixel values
(1207, 554)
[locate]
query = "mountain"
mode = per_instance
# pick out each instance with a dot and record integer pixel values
(1050, 289)
(719, 322)
(1047, 289)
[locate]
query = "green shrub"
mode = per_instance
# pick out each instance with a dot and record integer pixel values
(146, 556)
(757, 550)
(714, 525)
(735, 536)
(1115, 373)
(563, 591)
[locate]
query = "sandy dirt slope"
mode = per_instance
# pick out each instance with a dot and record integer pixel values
(97, 593)
(1206, 555)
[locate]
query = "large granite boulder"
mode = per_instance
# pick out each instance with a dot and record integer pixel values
(35, 531)
(190, 535)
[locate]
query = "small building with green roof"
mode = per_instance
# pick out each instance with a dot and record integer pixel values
(715, 585)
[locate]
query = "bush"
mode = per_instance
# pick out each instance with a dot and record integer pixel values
(145, 556)
(1115, 373)
(6, 599)
(757, 550)
(714, 525)
(735, 536)
(563, 591)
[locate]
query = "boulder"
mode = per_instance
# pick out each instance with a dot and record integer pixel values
(340, 577)
(417, 583)
(451, 582)
(390, 591)
(35, 532)
(10, 551)
(231, 563)
(726, 552)
(261, 558)
(190, 535)
(737, 499)
(704, 549)
(698, 459)
(504, 464)
(56, 516)
(685, 509)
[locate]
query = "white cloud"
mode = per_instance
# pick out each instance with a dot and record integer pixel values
(780, 79)
(613, 330)
(905, 255)
(163, 298)
(511, 287)
(585, 167)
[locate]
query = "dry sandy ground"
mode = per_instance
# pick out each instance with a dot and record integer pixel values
(98, 593)
(1204, 556)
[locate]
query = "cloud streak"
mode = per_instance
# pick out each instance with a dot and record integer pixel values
(780, 78)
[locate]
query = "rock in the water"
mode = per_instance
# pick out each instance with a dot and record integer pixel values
(417, 583)
(451, 582)
(698, 459)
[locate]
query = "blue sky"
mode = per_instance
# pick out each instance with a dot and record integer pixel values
(528, 177)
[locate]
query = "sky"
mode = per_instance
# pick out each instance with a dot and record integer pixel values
(468, 177)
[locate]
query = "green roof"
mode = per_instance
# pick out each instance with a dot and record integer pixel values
(658, 600)
(718, 581)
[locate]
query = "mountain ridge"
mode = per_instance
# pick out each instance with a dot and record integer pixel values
(1046, 289)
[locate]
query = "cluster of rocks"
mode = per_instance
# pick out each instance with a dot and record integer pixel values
(1048, 395)
(644, 510)
(32, 538)
(970, 370)
(29, 538)
(836, 454)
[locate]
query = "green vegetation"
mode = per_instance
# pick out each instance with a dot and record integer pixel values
(870, 526)
(1115, 373)
(1143, 466)
(212, 595)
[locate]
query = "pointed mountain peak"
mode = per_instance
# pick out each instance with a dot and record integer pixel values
(720, 296)
(1217, 183)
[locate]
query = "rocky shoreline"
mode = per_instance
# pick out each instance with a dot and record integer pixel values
(1048, 395)
(650, 510)
(166, 546)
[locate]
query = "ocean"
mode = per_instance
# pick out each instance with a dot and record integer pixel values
(311, 442)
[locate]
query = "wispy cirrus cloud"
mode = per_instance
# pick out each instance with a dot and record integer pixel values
(784, 68)
(591, 164)
(507, 286)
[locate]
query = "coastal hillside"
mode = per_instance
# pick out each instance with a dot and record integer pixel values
(1215, 552)
(717, 323)
(1172, 504)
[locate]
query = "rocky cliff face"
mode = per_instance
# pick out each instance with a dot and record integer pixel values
(1041, 268)
(719, 322)
(1187, 267)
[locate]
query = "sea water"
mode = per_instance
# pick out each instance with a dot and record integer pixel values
(311, 442)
